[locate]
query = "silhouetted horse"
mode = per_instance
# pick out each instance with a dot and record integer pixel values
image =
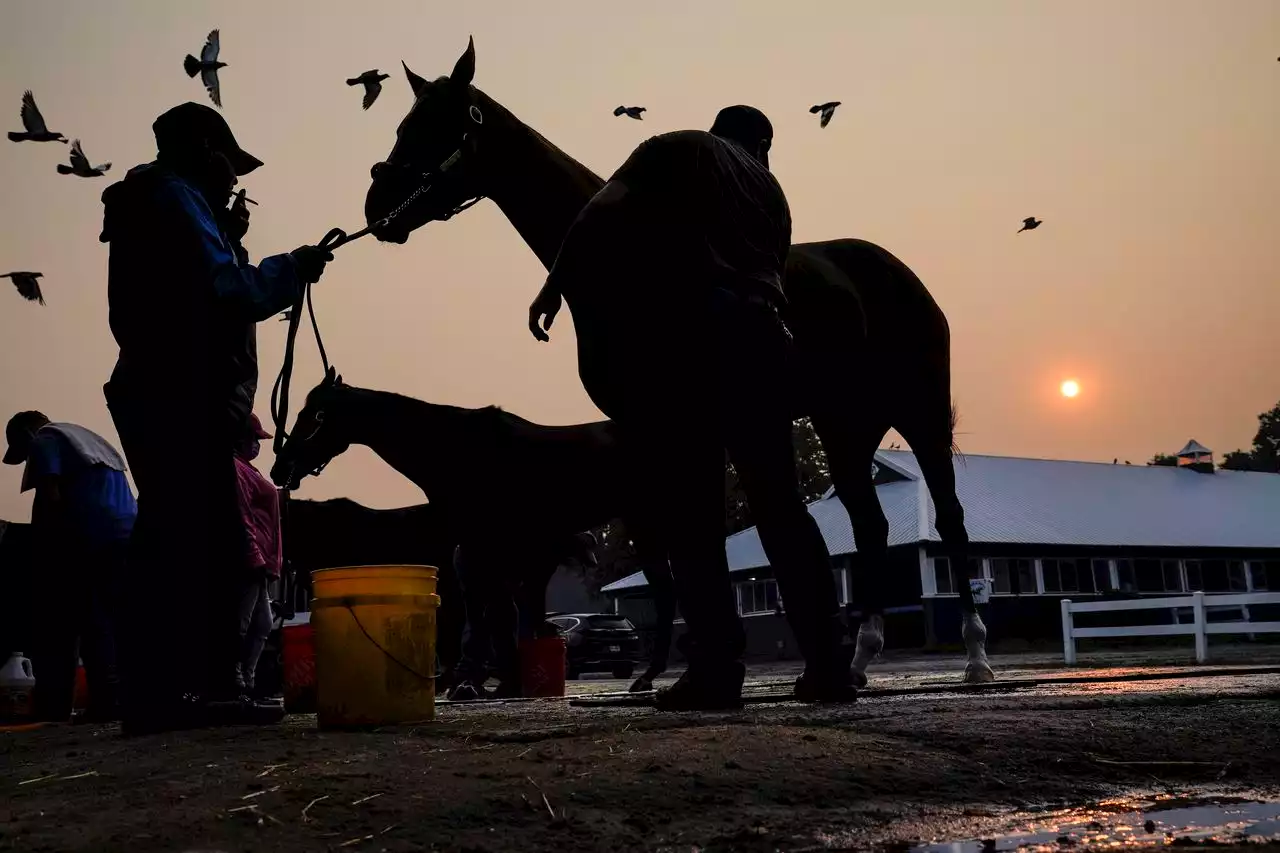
(874, 346)
(509, 492)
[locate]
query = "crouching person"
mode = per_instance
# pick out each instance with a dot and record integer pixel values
(81, 520)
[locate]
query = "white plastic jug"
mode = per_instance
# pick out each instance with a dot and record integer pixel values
(16, 684)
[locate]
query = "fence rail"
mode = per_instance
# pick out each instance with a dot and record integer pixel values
(1199, 627)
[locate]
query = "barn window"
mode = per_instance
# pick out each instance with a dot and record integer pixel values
(1215, 575)
(1125, 574)
(1067, 575)
(1265, 574)
(1158, 575)
(947, 583)
(758, 597)
(1013, 576)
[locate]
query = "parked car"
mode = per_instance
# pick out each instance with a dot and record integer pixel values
(599, 642)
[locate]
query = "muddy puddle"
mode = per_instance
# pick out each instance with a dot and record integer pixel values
(1161, 821)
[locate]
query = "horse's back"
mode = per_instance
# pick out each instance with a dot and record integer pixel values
(866, 325)
(898, 312)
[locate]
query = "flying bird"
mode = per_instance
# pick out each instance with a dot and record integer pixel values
(372, 82)
(1030, 224)
(27, 285)
(828, 110)
(630, 112)
(80, 164)
(36, 130)
(207, 67)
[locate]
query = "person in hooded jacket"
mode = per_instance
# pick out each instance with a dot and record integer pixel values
(184, 303)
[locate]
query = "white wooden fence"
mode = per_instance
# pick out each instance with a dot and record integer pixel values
(1199, 627)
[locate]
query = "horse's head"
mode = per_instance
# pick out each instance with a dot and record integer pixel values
(429, 174)
(319, 434)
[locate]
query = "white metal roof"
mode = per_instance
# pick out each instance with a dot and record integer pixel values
(1010, 500)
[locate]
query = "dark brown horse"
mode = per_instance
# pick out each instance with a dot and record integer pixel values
(510, 493)
(874, 345)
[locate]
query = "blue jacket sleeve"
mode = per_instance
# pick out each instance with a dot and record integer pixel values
(253, 292)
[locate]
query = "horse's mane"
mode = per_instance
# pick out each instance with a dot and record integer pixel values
(585, 177)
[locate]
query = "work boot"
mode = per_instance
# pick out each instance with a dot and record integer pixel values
(705, 687)
(507, 688)
(467, 691)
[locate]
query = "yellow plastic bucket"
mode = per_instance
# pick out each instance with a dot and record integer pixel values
(375, 636)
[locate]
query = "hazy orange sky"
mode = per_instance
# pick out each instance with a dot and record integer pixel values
(1145, 134)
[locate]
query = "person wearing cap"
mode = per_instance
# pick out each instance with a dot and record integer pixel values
(81, 519)
(184, 303)
(691, 235)
(260, 513)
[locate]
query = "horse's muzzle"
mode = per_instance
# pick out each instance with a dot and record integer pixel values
(283, 475)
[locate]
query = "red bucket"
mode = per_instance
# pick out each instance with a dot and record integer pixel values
(542, 666)
(80, 700)
(299, 653)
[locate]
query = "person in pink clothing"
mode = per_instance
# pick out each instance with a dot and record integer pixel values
(259, 505)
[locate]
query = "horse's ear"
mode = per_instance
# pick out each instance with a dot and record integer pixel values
(465, 70)
(331, 376)
(415, 82)
(338, 381)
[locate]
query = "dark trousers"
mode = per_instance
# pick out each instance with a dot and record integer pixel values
(253, 626)
(179, 632)
(728, 387)
(492, 625)
(73, 618)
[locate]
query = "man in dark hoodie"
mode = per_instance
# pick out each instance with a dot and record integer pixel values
(184, 303)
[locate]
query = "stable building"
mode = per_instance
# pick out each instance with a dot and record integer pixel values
(1040, 530)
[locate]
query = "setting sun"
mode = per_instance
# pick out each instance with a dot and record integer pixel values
(1070, 388)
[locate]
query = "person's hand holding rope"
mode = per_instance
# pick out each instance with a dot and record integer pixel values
(310, 261)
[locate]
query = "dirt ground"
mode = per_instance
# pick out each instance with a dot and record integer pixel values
(548, 776)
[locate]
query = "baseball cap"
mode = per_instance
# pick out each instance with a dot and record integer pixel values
(255, 427)
(190, 125)
(742, 122)
(17, 433)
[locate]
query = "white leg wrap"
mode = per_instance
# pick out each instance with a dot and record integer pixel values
(870, 644)
(977, 669)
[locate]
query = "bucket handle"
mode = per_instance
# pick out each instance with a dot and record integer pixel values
(379, 647)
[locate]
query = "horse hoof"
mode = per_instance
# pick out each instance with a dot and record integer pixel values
(641, 685)
(978, 673)
(859, 679)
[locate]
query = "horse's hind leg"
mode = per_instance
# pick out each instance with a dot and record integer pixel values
(850, 444)
(657, 573)
(931, 440)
